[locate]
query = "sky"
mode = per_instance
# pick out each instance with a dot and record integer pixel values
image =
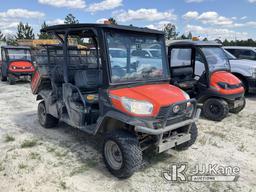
(231, 19)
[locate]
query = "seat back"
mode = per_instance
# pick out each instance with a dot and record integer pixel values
(89, 79)
(183, 74)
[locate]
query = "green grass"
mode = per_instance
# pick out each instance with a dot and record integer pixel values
(241, 148)
(34, 155)
(79, 170)
(29, 143)
(91, 163)
(216, 134)
(9, 138)
(22, 166)
(63, 185)
(60, 153)
(1, 167)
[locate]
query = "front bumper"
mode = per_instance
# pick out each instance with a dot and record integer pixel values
(170, 142)
(151, 131)
(251, 84)
(19, 74)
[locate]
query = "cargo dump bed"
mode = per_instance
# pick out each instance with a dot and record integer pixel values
(41, 77)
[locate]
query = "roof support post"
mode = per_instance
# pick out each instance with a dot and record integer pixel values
(66, 58)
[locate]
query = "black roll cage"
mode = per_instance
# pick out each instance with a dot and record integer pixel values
(5, 51)
(98, 33)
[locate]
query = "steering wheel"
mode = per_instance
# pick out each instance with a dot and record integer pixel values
(148, 70)
(118, 71)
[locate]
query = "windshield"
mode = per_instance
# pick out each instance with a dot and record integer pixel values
(230, 56)
(117, 53)
(131, 58)
(19, 54)
(216, 58)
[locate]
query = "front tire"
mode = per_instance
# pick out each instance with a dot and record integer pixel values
(215, 109)
(122, 153)
(194, 133)
(238, 109)
(46, 120)
(11, 81)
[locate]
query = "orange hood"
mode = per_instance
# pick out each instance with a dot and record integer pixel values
(21, 66)
(225, 77)
(159, 95)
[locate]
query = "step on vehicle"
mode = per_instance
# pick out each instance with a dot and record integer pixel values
(132, 106)
(16, 62)
(203, 71)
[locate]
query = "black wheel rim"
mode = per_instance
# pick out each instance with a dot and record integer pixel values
(215, 109)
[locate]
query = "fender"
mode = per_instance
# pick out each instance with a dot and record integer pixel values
(241, 72)
(45, 95)
(122, 118)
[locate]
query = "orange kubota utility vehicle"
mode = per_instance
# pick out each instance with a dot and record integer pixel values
(202, 69)
(99, 87)
(16, 62)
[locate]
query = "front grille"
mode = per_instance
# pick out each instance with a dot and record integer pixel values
(234, 86)
(164, 110)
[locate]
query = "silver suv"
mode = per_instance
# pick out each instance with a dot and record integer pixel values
(242, 52)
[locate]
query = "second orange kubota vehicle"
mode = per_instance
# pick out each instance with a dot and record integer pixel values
(16, 62)
(202, 69)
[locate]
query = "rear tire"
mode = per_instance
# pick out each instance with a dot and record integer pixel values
(238, 109)
(215, 109)
(194, 133)
(122, 153)
(46, 120)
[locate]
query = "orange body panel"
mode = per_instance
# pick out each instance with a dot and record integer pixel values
(21, 67)
(35, 82)
(159, 95)
(226, 77)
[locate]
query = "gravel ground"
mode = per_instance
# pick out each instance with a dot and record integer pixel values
(66, 159)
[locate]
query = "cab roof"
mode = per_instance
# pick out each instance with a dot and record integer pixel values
(194, 43)
(63, 28)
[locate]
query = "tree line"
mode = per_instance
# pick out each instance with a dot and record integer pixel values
(25, 31)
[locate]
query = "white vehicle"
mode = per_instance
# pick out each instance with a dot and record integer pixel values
(242, 52)
(147, 53)
(245, 70)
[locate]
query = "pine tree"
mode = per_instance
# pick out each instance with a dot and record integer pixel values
(170, 31)
(29, 34)
(71, 19)
(20, 31)
(190, 36)
(112, 21)
(25, 31)
(2, 37)
(43, 35)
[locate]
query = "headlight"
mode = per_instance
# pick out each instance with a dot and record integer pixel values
(253, 71)
(186, 95)
(137, 107)
(187, 98)
(223, 85)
